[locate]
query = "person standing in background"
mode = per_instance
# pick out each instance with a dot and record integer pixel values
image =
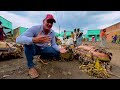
(2, 33)
(64, 37)
(115, 38)
(103, 37)
(79, 37)
(74, 36)
(93, 39)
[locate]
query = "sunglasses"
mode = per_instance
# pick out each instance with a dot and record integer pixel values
(50, 21)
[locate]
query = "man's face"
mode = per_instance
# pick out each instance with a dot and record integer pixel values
(47, 24)
(104, 30)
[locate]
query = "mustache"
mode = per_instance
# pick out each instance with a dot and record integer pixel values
(49, 25)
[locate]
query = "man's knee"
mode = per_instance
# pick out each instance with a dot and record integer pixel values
(50, 52)
(29, 46)
(29, 49)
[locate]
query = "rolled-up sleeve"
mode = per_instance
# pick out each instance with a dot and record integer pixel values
(26, 37)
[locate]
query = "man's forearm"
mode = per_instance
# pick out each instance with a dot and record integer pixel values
(24, 40)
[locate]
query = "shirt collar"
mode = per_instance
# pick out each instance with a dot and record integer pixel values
(44, 32)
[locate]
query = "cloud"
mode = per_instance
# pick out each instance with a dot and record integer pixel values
(71, 19)
(17, 20)
(58, 29)
(100, 20)
(23, 20)
(67, 20)
(109, 17)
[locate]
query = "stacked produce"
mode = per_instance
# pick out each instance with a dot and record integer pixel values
(10, 50)
(69, 55)
(94, 61)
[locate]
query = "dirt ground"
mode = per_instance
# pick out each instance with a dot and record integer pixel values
(17, 69)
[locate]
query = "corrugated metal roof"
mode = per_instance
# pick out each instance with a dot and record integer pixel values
(7, 30)
(68, 33)
(93, 32)
(5, 22)
(20, 29)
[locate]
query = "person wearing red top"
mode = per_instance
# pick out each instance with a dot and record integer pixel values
(2, 33)
(103, 37)
(93, 39)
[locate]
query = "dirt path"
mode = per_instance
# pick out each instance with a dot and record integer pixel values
(17, 69)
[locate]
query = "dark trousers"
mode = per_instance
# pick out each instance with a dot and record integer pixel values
(46, 53)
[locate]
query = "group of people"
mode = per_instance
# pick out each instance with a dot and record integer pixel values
(40, 40)
(116, 39)
(103, 37)
(75, 37)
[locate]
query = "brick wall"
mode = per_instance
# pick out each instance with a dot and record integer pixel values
(112, 30)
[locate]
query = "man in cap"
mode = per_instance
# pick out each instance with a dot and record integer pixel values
(40, 40)
(79, 37)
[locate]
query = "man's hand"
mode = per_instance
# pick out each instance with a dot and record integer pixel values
(63, 50)
(42, 39)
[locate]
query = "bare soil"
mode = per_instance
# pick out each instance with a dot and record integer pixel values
(17, 68)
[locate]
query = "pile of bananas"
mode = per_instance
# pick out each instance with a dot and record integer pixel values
(69, 55)
(10, 50)
(95, 69)
(95, 61)
(100, 50)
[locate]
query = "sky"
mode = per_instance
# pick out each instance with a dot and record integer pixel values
(65, 20)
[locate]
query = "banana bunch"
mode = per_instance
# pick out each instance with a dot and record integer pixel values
(95, 61)
(14, 51)
(102, 73)
(69, 55)
(92, 70)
